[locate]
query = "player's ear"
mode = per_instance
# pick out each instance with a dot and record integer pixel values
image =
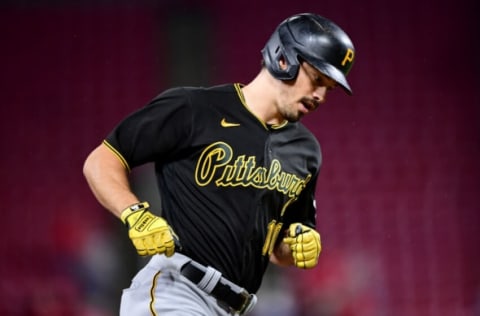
(282, 62)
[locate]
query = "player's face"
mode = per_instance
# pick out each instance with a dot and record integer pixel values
(304, 94)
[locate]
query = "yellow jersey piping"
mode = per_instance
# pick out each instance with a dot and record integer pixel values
(119, 156)
(238, 88)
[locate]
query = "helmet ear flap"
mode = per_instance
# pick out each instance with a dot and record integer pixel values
(274, 53)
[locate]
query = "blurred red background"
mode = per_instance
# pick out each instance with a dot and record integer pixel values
(397, 197)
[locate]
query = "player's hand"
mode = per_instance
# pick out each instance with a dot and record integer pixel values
(149, 233)
(305, 245)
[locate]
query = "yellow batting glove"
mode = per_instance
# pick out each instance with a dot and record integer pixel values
(149, 233)
(305, 245)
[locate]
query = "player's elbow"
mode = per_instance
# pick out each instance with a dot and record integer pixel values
(94, 164)
(89, 166)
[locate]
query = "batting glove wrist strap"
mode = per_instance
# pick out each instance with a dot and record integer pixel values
(305, 245)
(136, 209)
(149, 233)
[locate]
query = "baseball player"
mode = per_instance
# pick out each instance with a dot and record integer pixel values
(236, 172)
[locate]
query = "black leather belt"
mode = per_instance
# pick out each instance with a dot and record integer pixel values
(211, 281)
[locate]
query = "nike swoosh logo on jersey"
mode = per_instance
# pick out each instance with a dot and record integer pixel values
(224, 123)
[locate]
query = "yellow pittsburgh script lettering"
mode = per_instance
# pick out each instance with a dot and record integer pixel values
(217, 164)
(214, 156)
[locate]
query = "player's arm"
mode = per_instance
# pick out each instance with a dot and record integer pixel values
(282, 255)
(108, 179)
(300, 244)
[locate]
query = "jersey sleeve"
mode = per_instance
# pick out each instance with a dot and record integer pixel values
(156, 132)
(304, 209)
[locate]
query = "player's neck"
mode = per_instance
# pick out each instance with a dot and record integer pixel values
(260, 98)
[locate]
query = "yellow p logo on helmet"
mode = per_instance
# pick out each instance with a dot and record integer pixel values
(349, 55)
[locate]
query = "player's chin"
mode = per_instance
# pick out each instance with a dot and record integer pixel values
(295, 117)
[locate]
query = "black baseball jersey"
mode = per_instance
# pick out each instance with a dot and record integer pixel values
(229, 183)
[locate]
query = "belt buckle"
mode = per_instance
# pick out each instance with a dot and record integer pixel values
(249, 303)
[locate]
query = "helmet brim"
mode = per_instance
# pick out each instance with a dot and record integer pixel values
(333, 73)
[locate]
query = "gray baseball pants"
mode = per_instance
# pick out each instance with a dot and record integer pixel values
(160, 289)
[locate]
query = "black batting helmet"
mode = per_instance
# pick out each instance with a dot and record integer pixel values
(314, 39)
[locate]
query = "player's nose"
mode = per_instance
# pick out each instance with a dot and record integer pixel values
(320, 94)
